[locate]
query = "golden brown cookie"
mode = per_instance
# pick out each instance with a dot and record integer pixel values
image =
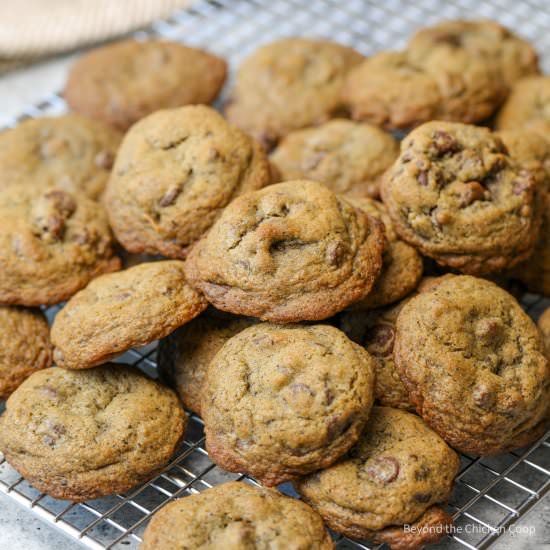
(24, 346)
(290, 252)
(401, 89)
(236, 516)
(544, 325)
(175, 172)
(457, 195)
(348, 157)
(473, 363)
(283, 401)
(402, 265)
(288, 85)
(124, 82)
(70, 152)
(123, 310)
(52, 243)
(514, 57)
(183, 356)
(528, 103)
(399, 472)
(81, 435)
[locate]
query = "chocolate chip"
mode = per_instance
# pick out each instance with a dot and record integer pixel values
(423, 178)
(524, 183)
(105, 160)
(451, 39)
(379, 340)
(383, 469)
(169, 197)
(483, 396)
(472, 191)
(444, 142)
(335, 253)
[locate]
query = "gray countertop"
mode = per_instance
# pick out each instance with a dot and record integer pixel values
(19, 528)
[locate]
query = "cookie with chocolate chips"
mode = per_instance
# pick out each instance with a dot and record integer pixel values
(348, 157)
(236, 516)
(123, 82)
(287, 85)
(70, 152)
(293, 251)
(399, 472)
(283, 401)
(457, 195)
(52, 243)
(123, 310)
(175, 172)
(473, 363)
(183, 356)
(24, 346)
(401, 267)
(80, 435)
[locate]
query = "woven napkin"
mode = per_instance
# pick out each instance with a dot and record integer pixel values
(30, 29)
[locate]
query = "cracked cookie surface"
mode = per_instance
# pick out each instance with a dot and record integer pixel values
(290, 252)
(473, 363)
(283, 401)
(79, 435)
(183, 356)
(24, 346)
(175, 172)
(399, 472)
(348, 157)
(237, 516)
(52, 243)
(287, 85)
(457, 195)
(70, 152)
(123, 82)
(123, 310)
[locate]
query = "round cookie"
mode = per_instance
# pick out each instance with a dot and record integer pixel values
(174, 174)
(236, 516)
(288, 85)
(82, 435)
(24, 346)
(348, 157)
(183, 356)
(402, 265)
(290, 252)
(457, 195)
(473, 364)
(124, 82)
(399, 472)
(398, 90)
(514, 57)
(52, 243)
(123, 310)
(283, 401)
(528, 103)
(544, 325)
(70, 152)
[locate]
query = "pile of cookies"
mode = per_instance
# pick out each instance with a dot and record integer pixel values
(340, 309)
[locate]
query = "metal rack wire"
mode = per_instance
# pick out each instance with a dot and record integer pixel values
(491, 493)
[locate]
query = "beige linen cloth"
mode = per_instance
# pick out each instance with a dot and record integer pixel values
(30, 29)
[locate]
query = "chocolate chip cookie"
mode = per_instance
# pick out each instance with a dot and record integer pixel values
(123, 310)
(544, 325)
(236, 516)
(124, 82)
(174, 174)
(287, 85)
(457, 195)
(290, 252)
(183, 356)
(529, 103)
(24, 346)
(399, 472)
(283, 401)
(348, 157)
(473, 363)
(71, 152)
(401, 89)
(52, 243)
(514, 57)
(402, 265)
(86, 434)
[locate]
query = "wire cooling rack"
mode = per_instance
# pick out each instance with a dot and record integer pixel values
(491, 493)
